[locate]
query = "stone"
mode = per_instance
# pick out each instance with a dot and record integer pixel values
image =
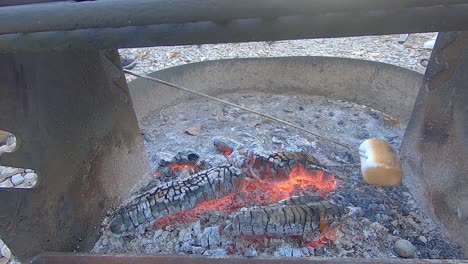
(5, 251)
(7, 172)
(250, 252)
(6, 184)
(194, 130)
(17, 179)
(28, 170)
(379, 163)
(405, 248)
(423, 239)
(4, 260)
(30, 179)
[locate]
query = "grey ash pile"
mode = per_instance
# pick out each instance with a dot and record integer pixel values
(381, 217)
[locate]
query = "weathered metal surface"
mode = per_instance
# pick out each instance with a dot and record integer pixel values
(435, 148)
(184, 259)
(25, 2)
(176, 196)
(338, 24)
(74, 121)
(384, 87)
(122, 13)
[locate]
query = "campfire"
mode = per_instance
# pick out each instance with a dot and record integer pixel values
(284, 193)
(256, 188)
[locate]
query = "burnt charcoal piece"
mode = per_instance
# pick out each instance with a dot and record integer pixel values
(185, 157)
(291, 218)
(176, 196)
(277, 166)
(225, 145)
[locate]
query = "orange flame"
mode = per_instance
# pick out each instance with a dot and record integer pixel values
(301, 177)
(183, 166)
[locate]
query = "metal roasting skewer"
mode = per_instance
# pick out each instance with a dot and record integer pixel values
(185, 89)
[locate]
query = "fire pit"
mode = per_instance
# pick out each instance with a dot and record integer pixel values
(227, 182)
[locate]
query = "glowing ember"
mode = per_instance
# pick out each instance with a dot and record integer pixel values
(301, 177)
(181, 167)
(268, 191)
(227, 152)
(175, 169)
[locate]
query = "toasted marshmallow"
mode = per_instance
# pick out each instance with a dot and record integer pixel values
(379, 163)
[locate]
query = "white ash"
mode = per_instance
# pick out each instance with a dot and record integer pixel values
(387, 215)
(376, 48)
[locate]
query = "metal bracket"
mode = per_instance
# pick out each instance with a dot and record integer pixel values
(74, 121)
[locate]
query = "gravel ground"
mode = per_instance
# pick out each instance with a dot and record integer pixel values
(376, 48)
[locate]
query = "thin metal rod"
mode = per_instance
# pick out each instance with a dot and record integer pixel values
(188, 90)
(68, 15)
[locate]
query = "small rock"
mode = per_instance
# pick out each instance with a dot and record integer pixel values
(331, 114)
(193, 130)
(30, 176)
(5, 251)
(7, 172)
(28, 170)
(250, 252)
(301, 108)
(4, 260)
(172, 55)
(6, 184)
(405, 249)
(423, 239)
(104, 241)
(374, 114)
(17, 179)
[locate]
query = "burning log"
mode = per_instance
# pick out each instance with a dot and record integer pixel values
(278, 166)
(292, 217)
(176, 196)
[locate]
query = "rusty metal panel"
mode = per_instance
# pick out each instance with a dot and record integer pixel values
(73, 117)
(435, 148)
(187, 259)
